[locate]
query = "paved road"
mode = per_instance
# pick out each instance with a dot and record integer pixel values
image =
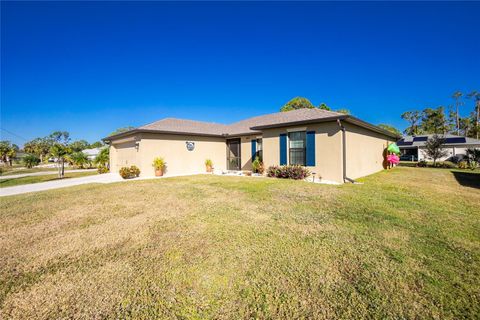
(41, 173)
(41, 186)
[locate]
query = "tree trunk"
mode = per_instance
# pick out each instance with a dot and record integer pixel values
(63, 168)
(478, 117)
(458, 122)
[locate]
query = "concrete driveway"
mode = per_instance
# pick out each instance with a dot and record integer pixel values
(41, 186)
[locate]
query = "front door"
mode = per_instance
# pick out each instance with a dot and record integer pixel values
(233, 154)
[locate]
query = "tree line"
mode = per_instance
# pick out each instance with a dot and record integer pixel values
(438, 120)
(57, 145)
(443, 120)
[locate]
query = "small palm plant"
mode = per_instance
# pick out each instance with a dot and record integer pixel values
(79, 159)
(209, 165)
(159, 164)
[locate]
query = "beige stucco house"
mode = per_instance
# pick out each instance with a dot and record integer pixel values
(337, 147)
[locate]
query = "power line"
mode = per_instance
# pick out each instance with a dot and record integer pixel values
(13, 134)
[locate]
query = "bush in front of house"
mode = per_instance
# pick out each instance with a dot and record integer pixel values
(422, 164)
(445, 165)
(129, 173)
(31, 160)
(463, 164)
(102, 169)
(288, 172)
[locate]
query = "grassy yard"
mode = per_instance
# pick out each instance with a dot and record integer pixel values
(6, 171)
(35, 179)
(406, 244)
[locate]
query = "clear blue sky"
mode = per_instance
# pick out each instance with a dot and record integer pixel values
(92, 67)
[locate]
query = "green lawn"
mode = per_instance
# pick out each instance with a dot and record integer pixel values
(35, 179)
(404, 245)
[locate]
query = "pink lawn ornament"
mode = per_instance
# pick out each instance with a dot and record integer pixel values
(393, 159)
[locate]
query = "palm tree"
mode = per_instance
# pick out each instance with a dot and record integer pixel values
(475, 96)
(457, 96)
(60, 152)
(103, 157)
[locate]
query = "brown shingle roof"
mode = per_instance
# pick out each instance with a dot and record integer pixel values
(252, 125)
(185, 126)
(247, 126)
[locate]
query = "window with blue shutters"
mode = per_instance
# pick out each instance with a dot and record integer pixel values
(297, 148)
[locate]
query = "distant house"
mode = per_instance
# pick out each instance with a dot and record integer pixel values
(92, 153)
(455, 145)
(337, 147)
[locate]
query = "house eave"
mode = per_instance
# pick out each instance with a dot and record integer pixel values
(135, 131)
(294, 123)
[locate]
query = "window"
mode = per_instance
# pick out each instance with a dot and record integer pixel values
(296, 146)
(259, 149)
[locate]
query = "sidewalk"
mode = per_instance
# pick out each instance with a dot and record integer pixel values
(41, 173)
(34, 187)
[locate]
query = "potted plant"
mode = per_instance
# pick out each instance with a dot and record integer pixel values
(257, 166)
(159, 165)
(209, 165)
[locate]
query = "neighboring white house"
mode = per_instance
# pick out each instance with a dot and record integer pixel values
(92, 153)
(456, 146)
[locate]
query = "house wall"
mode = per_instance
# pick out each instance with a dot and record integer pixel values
(364, 150)
(174, 150)
(123, 154)
(246, 151)
(460, 152)
(328, 149)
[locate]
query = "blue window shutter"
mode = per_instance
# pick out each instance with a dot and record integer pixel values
(283, 149)
(254, 148)
(311, 148)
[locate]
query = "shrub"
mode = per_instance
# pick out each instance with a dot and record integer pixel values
(158, 163)
(257, 166)
(422, 163)
(472, 165)
(79, 159)
(288, 172)
(129, 173)
(31, 160)
(463, 165)
(445, 164)
(102, 169)
(134, 170)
